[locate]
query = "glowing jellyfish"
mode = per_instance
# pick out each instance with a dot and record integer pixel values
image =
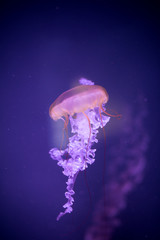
(86, 101)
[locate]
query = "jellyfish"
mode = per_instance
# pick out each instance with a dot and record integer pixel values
(83, 107)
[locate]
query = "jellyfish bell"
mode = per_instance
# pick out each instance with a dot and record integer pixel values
(78, 99)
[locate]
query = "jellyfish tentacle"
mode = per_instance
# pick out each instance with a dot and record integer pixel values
(65, 125)
(78, 161)
(104, 160)
(62, 134)
(111, 115)
(89, 123)
(85, 174)
(68, 194)
(62, 139)
(64, 120)
(66, 129)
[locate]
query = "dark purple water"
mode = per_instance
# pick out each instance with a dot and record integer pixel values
(45, 48)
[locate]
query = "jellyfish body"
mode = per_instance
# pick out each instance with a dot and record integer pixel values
(78, 99)
(86, 102)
